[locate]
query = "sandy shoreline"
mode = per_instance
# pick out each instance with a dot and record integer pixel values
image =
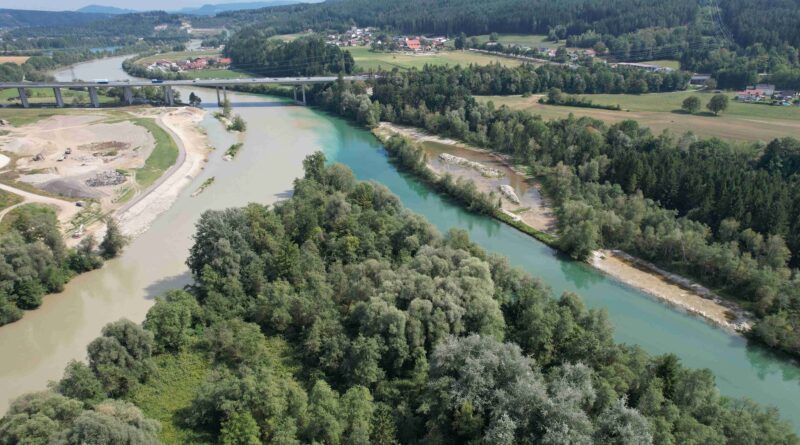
(674, 290)
(183, 126)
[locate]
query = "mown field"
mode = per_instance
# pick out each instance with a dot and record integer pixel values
(368, 60)
(532, 40)
(666, 63)
(178, 55)
(661, 111)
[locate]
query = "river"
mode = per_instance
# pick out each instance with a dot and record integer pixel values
(36, 348)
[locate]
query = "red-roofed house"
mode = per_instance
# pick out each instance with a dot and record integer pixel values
(413, 44)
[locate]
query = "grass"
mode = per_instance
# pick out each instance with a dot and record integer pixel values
(19, 117)
(46, 96)
(531, 40)
(290, 37)
(8, 199)
(169, 391)
(666, 63)
(216, 74)
(367, 60)
(30, 208)
(661, 111)
(164, 154)
(178, 55)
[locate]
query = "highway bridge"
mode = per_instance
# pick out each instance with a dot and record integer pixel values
(167, 85)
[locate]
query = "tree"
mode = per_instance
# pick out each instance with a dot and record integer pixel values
(80, 383)
(120, 358)
(691, 104)
(194, 100)
(113, 241)
(493, 37)
(461, 41)
(324, 409)
(170, 323)
(240, 429)
(718, 103)
(580, 240)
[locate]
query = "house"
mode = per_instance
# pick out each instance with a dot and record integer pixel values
(756, 93)
(699, 79)
(589, 52)
(413, 44)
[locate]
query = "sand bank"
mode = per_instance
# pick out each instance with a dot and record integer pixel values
(674, 290)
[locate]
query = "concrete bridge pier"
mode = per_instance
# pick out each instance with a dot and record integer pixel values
(168, 97)
(219, 101)
(224, 93)
(294, 91)
(127, 95)
(23, 97)
(93, 97)
(59, 98)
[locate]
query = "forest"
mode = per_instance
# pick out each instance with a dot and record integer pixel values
(702, 208)
(337, 316)
(152, 28)
(34, 260)
(251, 50)
(726, 40)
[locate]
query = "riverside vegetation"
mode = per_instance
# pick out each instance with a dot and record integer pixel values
(339, 317)
(35, 261)
(725, 216)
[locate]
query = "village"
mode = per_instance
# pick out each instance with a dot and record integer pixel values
(764, 93)
(190, 64)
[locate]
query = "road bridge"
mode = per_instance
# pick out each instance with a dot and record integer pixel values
(167, 86)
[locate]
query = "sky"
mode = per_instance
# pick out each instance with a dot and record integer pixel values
(69, 5)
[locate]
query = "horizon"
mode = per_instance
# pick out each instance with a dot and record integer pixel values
(137, 5)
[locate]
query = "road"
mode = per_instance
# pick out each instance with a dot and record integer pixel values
(174, 83)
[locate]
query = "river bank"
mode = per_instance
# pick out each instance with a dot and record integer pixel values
(674, 290)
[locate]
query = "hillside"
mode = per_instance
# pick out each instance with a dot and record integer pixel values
(19, 18)
(102, 9)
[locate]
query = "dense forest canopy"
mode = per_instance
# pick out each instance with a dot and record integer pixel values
(20, 18)
(337, 316)
(251, 50)
(720, 215)
(478, 16)
(117, 30)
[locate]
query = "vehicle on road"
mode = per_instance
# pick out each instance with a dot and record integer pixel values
(101, 81)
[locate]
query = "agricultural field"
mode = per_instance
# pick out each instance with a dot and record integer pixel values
(661, 111)
(19, 60)
(664, 63)
(367, 60)
(532, 40)
(178, 55)
(216, 74)
(290, 37)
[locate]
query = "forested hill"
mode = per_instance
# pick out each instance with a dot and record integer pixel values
(480, 16)
(147, 25)
(18, 18)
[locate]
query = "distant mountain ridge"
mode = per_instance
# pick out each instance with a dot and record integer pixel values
(207, 9)
(214, 9)
(102, 9)
(19, 18)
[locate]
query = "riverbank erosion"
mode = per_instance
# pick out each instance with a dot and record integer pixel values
(522, 202)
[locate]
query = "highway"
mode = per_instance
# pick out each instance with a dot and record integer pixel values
(187, 82)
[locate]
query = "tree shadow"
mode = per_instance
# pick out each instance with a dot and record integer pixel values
(158, 288)
(698, 114)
